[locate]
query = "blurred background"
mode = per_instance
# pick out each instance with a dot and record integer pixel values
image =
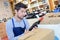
(48, 10)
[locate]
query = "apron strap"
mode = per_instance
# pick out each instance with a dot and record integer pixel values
(24, 24)
(13, 22)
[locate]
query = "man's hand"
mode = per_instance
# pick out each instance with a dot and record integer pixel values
(26, 31)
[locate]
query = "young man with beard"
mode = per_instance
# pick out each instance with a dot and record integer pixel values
(18, 25)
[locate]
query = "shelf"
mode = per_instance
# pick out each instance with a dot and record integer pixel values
(40, 3)
(39, 0)
(31, 2)
(34, 8)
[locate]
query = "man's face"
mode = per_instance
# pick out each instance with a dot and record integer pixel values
(21, 13)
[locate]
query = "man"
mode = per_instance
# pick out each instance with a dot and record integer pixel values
(18, 25)
(57, 9)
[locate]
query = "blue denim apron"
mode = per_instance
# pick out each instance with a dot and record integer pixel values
(18, 30)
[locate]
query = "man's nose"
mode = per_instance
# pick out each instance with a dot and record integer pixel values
(25, 14)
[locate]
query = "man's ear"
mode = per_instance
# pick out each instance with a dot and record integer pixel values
(15, 11)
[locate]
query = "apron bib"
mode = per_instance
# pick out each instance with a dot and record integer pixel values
(18, 30)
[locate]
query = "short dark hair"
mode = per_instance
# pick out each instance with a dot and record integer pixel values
(20, 5)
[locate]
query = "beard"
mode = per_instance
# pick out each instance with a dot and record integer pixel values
(19, 17)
